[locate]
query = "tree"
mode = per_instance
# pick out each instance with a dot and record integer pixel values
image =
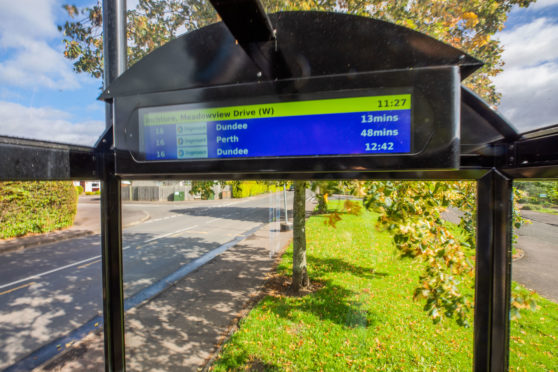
(412, 212)
(468, 25)
(300, 270)
(204, 189)
(465, 24)
(152, 24)
(322, 190)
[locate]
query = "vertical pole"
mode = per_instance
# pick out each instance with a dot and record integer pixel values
(114, 52)
(114, 40)
(285, 204)
(493, 272)
(111, 242)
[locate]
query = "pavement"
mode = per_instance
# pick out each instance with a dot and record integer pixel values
(183, 327)
(86, 222)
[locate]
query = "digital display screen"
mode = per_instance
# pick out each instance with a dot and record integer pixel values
(339, 126)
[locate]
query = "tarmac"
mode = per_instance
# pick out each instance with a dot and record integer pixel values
(86, 222)
(547, 218)
(183, 327)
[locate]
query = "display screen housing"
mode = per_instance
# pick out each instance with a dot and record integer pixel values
(290, 126)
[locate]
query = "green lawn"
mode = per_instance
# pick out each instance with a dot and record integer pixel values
(534, 338)
(364, 318)
(541, 209)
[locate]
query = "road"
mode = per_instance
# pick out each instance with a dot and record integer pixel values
(47, 291)
(537, 269)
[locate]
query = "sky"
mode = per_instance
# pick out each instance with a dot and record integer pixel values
(42, 97)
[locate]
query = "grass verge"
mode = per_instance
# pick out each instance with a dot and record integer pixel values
(540, 208)
(361, 315)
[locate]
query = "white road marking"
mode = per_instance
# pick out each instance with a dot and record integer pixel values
(37, 276)
(171, 233)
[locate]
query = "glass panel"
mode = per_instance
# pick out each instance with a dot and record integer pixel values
(208, 282)
(534, 311)
(50, 272)
(195, 265)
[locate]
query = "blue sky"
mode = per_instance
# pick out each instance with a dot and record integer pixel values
(41, 97)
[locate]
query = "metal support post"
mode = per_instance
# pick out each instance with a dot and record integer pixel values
(111, 242)
(493, 272)
(114, 51)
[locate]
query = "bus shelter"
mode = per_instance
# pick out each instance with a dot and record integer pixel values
(254, 96)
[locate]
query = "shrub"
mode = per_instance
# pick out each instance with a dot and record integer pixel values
(79, 190)
(251, 188)
(36, 207)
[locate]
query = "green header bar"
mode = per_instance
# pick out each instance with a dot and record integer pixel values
(282, 109)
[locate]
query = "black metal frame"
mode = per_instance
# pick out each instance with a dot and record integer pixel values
(428, 152)
(494, 165)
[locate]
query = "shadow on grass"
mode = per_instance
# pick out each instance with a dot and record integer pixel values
(320, 266)
(333, 302)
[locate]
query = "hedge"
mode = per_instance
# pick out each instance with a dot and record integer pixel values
(36, 207)
(251, 188)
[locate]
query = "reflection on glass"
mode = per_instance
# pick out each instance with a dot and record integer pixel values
(50, 271)
(208, 282)
(534, 308)
(196, 265)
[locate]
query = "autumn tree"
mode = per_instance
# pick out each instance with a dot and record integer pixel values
(465, 24)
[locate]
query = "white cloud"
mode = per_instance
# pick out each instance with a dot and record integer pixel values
(538, 5)
(530, 44)
(543, 4)
(529, 95)
(529, 82)
(47, 124)
(36, 64)
(32, 18)
(26, 29)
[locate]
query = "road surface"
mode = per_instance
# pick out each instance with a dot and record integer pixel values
(47, 291)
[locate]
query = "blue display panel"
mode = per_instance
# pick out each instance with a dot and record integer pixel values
(340, 126)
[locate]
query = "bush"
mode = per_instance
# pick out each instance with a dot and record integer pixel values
(204, 189)
(79, 190)
(36, 207)
(251, 188)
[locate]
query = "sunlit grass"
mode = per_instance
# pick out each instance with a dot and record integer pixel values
(534, 337)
